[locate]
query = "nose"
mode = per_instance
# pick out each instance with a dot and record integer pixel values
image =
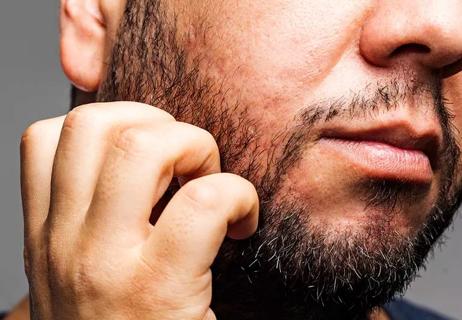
(424, 32)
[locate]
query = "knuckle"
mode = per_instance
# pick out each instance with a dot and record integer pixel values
(158, 113)
(209, 141)
(201, 194)
(162, 114)
(208, 145)
(133, 141)
(84, 117)
(85, 278)
(79, 271)
(205, 137)
(236, 180)
(243, 183)
(33, 133)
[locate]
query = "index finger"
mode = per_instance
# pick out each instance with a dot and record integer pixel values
(190, 231)
(38, 148)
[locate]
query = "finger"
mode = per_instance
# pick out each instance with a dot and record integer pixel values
(138, 169)
(190, 231)
(87, 132)
(38, 148)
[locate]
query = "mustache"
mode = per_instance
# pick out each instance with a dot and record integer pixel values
(372, 101)
(377, 98)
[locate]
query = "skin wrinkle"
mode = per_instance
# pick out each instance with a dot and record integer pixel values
(294, 267)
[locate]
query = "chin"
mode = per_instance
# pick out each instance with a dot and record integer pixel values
(374, 220)
(339, 198)
(335, 240)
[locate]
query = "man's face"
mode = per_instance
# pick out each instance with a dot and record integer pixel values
(287, 60)
(334, 110)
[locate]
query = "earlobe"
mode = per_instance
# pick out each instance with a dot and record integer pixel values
(82, 43)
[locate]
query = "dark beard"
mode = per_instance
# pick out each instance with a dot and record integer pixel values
(288, 269)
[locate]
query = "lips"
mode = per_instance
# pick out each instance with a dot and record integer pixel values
(392, 152)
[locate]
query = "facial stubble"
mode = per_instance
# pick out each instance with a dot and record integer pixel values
(289, 269)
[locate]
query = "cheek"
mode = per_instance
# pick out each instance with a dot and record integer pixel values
(453, 93)
(281, 42)
(273, 53)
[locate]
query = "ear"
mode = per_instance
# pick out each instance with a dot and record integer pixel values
(82, 43)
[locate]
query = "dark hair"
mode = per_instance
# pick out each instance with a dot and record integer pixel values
(79, 97)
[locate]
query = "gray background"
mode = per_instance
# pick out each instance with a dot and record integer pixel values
(33, 87)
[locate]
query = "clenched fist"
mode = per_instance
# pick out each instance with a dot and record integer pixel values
(90, 181)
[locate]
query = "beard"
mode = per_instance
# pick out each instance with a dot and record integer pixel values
(291, 268)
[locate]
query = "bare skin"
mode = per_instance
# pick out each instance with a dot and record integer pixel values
(91, 178)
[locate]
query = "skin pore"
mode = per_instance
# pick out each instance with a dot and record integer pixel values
(276, 82)
(329, 244)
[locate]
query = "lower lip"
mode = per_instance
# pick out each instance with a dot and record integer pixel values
(383, 161)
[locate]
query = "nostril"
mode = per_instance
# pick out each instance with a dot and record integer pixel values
(410, 48)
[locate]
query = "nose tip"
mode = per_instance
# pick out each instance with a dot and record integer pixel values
(428, 34)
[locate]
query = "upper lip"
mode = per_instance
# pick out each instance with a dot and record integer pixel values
(400, 134)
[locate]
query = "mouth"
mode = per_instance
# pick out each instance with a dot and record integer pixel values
(391, 152)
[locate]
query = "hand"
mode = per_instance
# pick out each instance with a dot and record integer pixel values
(89, 183)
